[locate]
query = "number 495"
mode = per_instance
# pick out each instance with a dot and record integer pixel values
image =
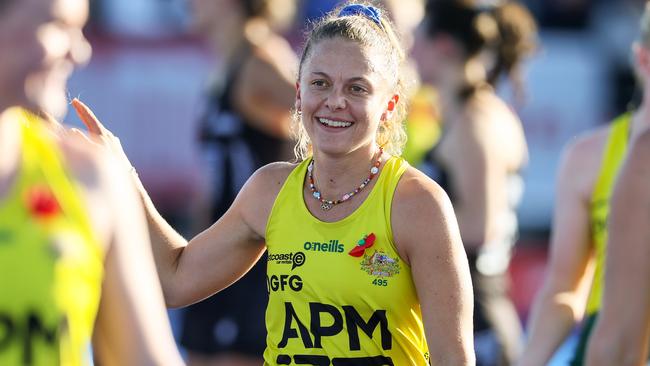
(380, 282)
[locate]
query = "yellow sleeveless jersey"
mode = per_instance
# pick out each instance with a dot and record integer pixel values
(50, 263)
(613, 156)
(329, 307)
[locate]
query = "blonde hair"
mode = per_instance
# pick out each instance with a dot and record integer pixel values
(391, 134)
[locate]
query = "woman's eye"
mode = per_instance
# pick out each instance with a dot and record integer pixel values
(358, 89)
(319, 83)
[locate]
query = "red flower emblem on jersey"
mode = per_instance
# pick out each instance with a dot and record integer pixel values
(362, 245)
(41, 202)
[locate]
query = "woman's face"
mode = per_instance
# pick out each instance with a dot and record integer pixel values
(342, 95)
(41, 41)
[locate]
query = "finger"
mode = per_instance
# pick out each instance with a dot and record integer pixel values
(91, 139)
(77, 132)
(88, 117)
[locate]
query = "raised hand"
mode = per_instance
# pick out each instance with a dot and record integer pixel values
(100, 134)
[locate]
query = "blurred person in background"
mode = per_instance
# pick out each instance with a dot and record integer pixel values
(75, 262)
(245, 125)
(573, 288)
(406, 15)
(464, 50)
(622, 330)
(365, 262)
(422, 122)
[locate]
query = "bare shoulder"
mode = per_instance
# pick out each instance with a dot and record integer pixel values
(276, 57)
(486, 122)
(487, 103)
(271, 177)
(582, 160)
(259, 64)
(486, 110)
(272, 77)
(83, 159)
(415, 189)
(258, 195)
(421, 211)
(90, 164)
(641, 144)
(589, 145)
(636, 164)
(99, 176)
(278, 52)
(495, 125)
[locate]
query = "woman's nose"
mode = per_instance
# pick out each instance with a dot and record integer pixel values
(336, 100)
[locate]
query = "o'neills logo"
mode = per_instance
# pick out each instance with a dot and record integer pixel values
(332, 246)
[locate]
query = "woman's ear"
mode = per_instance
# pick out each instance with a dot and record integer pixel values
(390, 108)
(298, 103)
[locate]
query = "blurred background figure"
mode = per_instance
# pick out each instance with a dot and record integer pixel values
(573, 288)
(422, 121)
(406, 15)
(75, 260)
(244, 126)
(464, 50)
(622, 330)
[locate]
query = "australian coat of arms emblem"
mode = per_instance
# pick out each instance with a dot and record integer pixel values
(380, 264)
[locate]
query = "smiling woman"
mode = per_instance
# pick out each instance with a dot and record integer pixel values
(391, 133)
(392, 285)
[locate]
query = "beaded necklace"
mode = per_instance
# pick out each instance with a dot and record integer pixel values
(325, 205)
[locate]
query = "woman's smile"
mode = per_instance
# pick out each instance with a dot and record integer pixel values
(334, 123)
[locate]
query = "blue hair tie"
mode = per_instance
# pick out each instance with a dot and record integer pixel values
(370, 12)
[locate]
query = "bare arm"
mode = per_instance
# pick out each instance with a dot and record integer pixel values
(215, 258)
(425, 230)
(132, 327)
(489, 146)
(561, 302)
(265, 95)
(622, 332)
(212, 260)
(475, 175)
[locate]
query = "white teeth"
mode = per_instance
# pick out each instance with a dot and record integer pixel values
(330, 123)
